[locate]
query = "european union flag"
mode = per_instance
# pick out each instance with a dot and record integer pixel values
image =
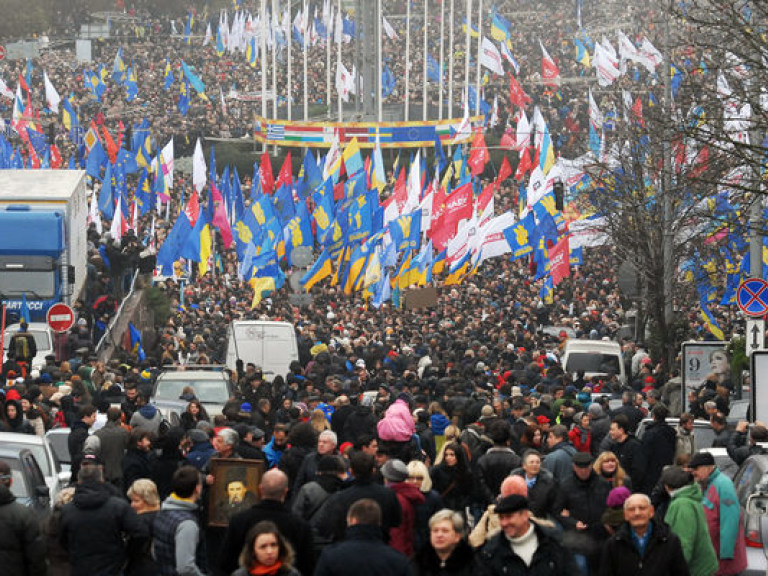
(433, 69)
(387, 81)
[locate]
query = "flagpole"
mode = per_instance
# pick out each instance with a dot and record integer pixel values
(306, 49)
(264, 65)
(450, 63)
(479, 48)
(467, 48)
(274, 70)
(379, 15)
(338, 58)
(289, 37)
(328, 42)
(424, 55)
(407, 57)
(442, 57)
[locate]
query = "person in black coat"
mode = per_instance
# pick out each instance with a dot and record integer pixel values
(78, 435)
(340, 415)
(138, 462)
(660, 555)
(94, 527)
(448, 552)
(452, 478)
(273, 490)
(498, 462)
(360, 422)
(333, 520)
(629, 450)
(503, 554)
(302, 439)
(363, 551)
(581, 502)
(659, 445)
(22, 548)
(542, 488)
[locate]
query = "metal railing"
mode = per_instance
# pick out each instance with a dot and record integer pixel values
(108, 332)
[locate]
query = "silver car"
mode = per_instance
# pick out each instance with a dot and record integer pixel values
(40, 446)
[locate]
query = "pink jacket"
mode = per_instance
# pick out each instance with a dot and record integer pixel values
(397, 424)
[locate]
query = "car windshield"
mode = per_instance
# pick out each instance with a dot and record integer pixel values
(593, 362)
(213, 391)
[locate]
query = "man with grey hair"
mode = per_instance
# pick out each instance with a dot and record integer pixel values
(643, 544)
(326, 446)
(273, 490)
(21, 546)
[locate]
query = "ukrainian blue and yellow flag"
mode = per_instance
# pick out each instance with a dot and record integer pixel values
(321, 269)
(710, 322)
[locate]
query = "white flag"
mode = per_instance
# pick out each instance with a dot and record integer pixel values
(490, 57)
(606, 68)
(523, 133)
(388, 30)
(93, 213)
(344, 82)
(51, 96)
(208, 35)
(199, 169)
(4, 90)
(116, 229)
(166, 163)
(595, 115)
(650, 56)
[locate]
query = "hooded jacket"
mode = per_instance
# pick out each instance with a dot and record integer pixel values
(17, 424)
(685, 517)
(93, 526)
(409, 496)
(22, 550)
(147, 418)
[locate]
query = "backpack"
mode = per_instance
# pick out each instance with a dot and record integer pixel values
(20, 347)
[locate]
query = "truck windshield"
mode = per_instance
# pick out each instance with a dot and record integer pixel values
(35, 283)
(593, 362)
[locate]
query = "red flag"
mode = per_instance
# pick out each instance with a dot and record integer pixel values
(110, 145)
(338, 192)
(559, 261)
(504, 171)
(34, 159)
(637, 109)
(192, 209)
(400, 191)
(524, 165)
(265, 174)
(55, 156)
(517, 95)
(478, 155)
(120, 134)
(285, 176)
(485, 197)
(507, 142)
(458, 205)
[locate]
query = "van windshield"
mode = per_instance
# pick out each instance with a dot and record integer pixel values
(593, 362)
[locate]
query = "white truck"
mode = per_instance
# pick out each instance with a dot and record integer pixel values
(43, 239)
(269, 344)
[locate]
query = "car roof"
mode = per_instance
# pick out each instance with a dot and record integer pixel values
(592, 346)
(19, 438)
(193, 375)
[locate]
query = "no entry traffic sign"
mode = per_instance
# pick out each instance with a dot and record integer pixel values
(752, 297)
(60, 317)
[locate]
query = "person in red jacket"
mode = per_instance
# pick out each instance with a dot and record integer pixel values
(581, 434)
(395, 474)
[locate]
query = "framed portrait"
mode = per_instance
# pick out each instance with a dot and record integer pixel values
(235, 488)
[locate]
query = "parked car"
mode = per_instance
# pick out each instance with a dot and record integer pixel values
(752, 478)
(210, 383)
(40, 446)
(703, 433)
(28, 483)
(58, 439)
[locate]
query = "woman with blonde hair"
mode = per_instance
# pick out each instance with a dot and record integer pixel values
(145, 501)
(318, 421)
(607, 466)
(418, 474)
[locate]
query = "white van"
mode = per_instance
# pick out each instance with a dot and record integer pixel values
(595, 357)
(271, 345)
(43, 340)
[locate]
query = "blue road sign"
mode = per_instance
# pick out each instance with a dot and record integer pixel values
(752, 297)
